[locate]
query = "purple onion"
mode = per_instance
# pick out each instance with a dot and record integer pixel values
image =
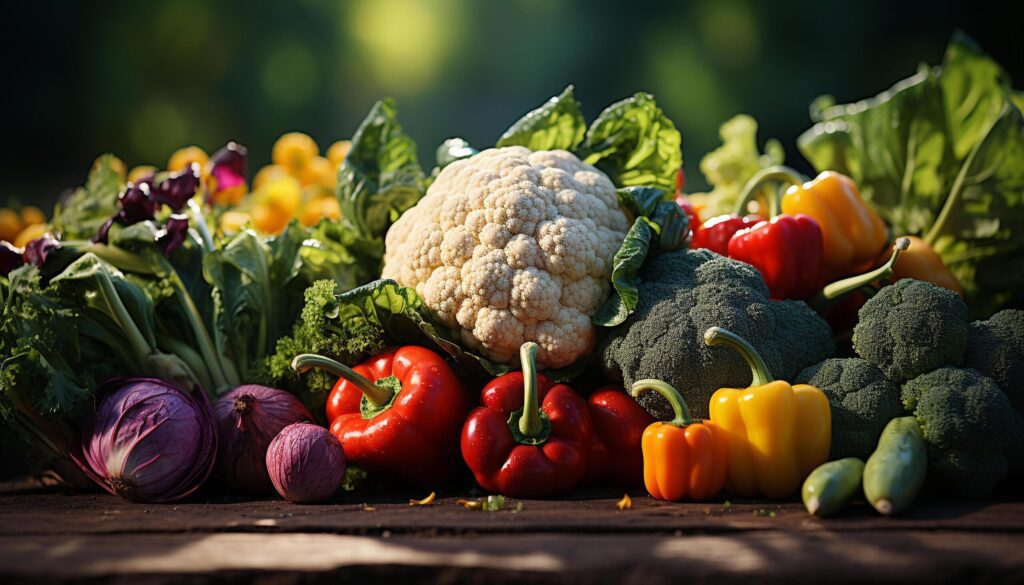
(248, 419)
(149, 441)
(306, 463)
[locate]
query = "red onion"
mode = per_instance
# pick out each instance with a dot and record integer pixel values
(149, 441)
(306, 463)
(248, 419)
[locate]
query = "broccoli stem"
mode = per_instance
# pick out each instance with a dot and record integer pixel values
(758, 369)
(675, 399)
(529, 423)
(377, 395)
(779, 174)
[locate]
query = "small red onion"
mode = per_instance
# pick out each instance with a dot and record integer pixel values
(306, 463)
(248, 418)
(149, 441)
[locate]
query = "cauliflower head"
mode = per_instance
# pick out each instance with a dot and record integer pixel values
(510, 246)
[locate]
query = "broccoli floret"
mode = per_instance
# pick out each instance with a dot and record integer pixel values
(911, 327)
(975, 437)
(863, 401)
(996, 349)
(684, 293)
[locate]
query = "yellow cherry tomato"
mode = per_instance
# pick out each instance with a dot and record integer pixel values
(269, 220)
(30, 233)
(293, 151)
(140, 172)
(232, 222)
(283, 195)
(338, 151)
(10, 224)
(266, 174)
(318, 208)
(186, 156)
(319, 172)
(31, 215)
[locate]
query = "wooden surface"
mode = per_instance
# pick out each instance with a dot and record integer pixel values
(86, 538)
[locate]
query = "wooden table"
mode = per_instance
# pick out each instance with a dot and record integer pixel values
(52, 536)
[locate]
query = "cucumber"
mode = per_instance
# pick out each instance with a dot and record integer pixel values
(895, 471)
(827, 489)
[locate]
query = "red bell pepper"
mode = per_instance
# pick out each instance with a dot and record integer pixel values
(615, 455)
(788, 251)
(397, 414)
(530, 437)
(716, 232)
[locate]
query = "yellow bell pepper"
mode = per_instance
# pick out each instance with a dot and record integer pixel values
(776, 433)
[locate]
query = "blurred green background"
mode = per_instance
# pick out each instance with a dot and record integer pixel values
(141, 79)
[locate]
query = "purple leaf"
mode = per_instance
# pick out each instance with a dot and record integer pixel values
(10, 258)
(227, 172)
(175, 190)
(39, 249)
(173, 234)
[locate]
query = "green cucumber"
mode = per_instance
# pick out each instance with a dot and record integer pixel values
(895, 471)
(827, 489)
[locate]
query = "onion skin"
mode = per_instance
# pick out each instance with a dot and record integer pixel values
(248, 419)
(148, 440)
(306, 463)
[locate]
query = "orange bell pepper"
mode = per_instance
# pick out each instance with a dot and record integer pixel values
(922, 262)
(683, 458)
(776, 433)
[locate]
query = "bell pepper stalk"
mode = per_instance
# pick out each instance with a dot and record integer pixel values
(834, 292)
(400, 412)
(530, 438)
(776, 433)
(616, 455)
(923, 263)
(683, 458)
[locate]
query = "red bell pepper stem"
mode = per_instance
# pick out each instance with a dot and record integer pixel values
(758, 369)
(377, 395)
(841, 287)
(530, 423)
(777, 173)
(675, 399)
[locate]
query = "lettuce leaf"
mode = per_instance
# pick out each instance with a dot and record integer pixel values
(556, 125)
(941, 155)
(81, 215)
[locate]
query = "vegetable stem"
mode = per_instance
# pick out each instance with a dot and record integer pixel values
(777, 173)
(376, 395)
(222, 371)
(841, 287)
(120, 314)
(675, 399)
(530, 424)
(758, 369)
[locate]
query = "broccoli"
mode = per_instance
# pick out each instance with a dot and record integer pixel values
(996, 349)
(682, 294)
(911, 327)
(975, 438)
(863, 401)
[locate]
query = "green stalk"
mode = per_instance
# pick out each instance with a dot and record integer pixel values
(675, 399)
(778, 174)
(529, 423)
(123, 318)
(377, 395)
(192, 359)
(116, 257)
(841, 287)
(758, 369)
(199, 220)
(222, 371)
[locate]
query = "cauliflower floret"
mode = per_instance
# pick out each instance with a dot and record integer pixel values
(512, 246)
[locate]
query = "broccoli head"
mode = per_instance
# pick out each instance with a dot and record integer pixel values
(911, 327)
(996, 349)
(682, 294)
(863, 401)
(974, 436)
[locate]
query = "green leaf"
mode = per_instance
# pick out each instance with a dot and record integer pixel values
(635, 143)
(940, 155)
(556, 125)
(81, 215)
(452, 150)
(381, 176)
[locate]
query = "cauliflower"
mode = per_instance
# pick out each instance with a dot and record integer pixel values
(510, 246)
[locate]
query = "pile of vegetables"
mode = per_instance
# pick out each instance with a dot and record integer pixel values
(549, 312)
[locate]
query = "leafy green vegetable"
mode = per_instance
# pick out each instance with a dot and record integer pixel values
(728, 168)
(941, 155)
(635, 144)
(657, 216)
(380, 178)
(556, 125)
(80, 216)
(452, 150)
